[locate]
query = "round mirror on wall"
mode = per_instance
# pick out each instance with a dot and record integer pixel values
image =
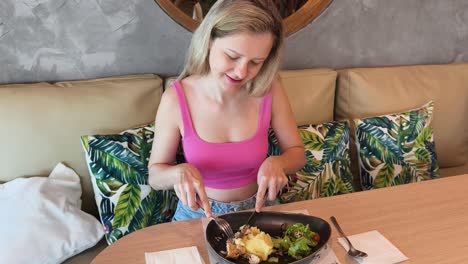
(296, 13)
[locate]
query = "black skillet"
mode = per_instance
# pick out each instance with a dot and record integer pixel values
(270, 222)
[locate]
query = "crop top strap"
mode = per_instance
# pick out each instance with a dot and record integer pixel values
(266, 112)
(184, 111)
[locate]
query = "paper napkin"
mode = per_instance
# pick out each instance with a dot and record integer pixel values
(326, 256)
(377, 247)
(175, 256)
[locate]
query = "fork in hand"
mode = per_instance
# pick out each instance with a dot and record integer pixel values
(222, 223)
(353, 252)
(224, 226)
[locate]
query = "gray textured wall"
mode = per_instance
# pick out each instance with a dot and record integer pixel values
(45, 40)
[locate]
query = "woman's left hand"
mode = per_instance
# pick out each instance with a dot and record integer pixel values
(271, 178)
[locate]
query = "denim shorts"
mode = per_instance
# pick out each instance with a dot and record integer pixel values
(184, 212)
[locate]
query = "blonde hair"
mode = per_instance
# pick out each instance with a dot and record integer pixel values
(227, 17)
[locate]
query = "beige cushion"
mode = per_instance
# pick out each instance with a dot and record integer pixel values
(453, 171)
(311, 94)
(41, 123)
(366, 92)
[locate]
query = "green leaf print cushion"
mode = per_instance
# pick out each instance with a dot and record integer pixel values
(119, 175)
(327, 171)
(397, 148)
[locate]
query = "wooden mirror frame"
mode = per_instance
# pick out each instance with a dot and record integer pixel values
(303, 16)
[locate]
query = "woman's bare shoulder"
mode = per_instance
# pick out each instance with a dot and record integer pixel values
(276, 88)
(169, 97)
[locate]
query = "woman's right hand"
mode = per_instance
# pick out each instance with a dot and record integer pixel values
(190, 188)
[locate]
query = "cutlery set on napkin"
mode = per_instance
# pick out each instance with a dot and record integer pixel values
(379, 250)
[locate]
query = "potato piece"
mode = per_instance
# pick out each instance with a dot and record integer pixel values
(250, 241)
(260, 245)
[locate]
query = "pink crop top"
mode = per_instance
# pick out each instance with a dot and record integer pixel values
(225, 165)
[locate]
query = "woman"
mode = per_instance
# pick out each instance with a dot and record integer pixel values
(221, 107)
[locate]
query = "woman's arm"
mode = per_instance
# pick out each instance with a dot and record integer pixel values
(272, 173)
(163, 172)
(292, 156)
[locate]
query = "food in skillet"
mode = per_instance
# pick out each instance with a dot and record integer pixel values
(257, 246)
(251, 243)
(297, 241)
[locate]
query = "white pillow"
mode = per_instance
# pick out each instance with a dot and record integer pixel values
(42, 221)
